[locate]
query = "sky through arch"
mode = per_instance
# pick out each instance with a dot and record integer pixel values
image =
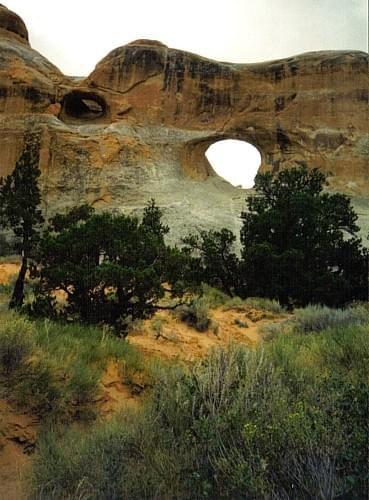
(236, 161)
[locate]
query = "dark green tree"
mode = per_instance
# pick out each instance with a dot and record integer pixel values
(111, 268)
(217, 262)
(20, 209)
(300, 243)
(75, 215)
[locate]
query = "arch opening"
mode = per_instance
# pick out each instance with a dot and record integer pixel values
(235, 161)
(83, 106)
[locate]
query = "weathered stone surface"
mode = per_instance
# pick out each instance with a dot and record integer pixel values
(139, 125)
(11, 25)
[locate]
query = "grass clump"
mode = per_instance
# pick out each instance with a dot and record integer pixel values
(261, 304)
(16, 342)
(196, 314)
(287, 420)
(213, 296)
(264, 304)
(316, 318)
(269, 331)
(157, 325)
(55, 369)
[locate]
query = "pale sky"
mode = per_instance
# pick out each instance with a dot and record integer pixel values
(76, 34)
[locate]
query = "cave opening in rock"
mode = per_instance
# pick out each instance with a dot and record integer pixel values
(83, 106)
(235, 161)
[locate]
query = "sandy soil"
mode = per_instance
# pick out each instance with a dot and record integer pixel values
(176, 340)
(163, 336)
(18, 433)
(115, 395)
(7, 271)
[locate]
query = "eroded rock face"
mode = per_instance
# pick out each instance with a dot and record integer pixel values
(12, 25)
(139, 125)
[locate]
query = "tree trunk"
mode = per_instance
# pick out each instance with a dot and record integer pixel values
(17, 299)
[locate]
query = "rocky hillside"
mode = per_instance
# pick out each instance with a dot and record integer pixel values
(139, 125)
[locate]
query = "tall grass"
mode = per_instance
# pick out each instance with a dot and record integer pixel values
(285, 421)
(54, 369)
(216, 298)
(316, 318)
(195, 314)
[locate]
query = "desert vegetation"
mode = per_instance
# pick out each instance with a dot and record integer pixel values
(299, 246)
(287, 418)
(54, 369)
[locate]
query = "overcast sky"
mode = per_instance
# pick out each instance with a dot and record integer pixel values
(76, 34)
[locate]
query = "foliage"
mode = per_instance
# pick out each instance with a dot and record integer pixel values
(195, 314)
(157, 325)
(317, 318)
(214, 296)
(54, 369)
(111, 268)
(218, 265)
(19, 208)
(259, 303)
(269, 331)
(287, 421)
(77, 214)
(6, 248)
(16, 343)
(300, 244)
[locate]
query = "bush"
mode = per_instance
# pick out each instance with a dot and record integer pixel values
(53, 370)
(157, 325)
(286, 421)
(270, 330)
(196, 314)
(213, 296)
(318, 318)
(6, 248)
(16, 342)
(40, 390)
(269, 305)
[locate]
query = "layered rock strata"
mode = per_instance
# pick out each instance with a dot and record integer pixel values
(139, 125)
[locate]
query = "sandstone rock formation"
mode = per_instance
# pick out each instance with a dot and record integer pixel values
(139, 125)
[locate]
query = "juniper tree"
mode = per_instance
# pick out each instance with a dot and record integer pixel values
(300, 243)
(112, 268)
(217, 262)
(20, 209)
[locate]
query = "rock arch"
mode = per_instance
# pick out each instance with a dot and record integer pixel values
(139, 125)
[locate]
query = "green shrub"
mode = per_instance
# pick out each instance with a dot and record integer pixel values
(39, 389)
(6, 289)
(235, 303)
(195, 314)
(287, 420)
(263, 304)
(54, 369)
(213, 296)
(316, 318)
(16, 342)
(157, 325)
(6, 247)
(342, 350)
(83, 383)
(269, 305)
(108, 463)
(269, 331)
